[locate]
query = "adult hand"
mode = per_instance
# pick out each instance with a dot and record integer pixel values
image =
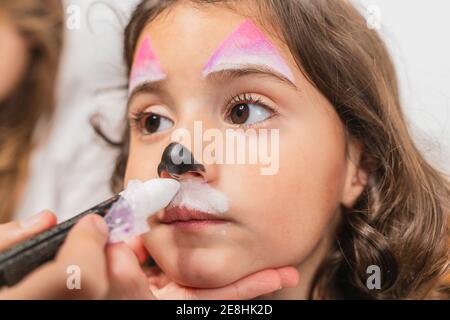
(84, 248)
(154, 284)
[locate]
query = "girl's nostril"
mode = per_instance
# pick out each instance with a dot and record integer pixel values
(177, 160)
(194, 175)
(165, 175)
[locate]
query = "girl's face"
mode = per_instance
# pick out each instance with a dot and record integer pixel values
(13, 56)
(282, 219)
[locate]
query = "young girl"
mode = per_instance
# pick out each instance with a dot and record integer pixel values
(352, 197)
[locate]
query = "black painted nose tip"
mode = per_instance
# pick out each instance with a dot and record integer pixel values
(178, 160)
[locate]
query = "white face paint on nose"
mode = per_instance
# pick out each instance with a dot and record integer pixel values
(199, 196)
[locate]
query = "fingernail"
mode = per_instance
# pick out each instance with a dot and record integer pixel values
(31, 221)
(101, 225)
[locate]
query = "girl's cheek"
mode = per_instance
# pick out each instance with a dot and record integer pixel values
(143, 161)
(290, 211)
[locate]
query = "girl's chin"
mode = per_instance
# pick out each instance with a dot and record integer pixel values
(204, 273)
(204, 279)
(203, 283)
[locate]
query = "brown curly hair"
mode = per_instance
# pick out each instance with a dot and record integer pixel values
(400, 222)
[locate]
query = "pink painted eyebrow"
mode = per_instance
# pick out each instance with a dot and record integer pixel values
(146, 67)
(247, 46)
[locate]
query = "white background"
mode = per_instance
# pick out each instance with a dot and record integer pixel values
(418, 35)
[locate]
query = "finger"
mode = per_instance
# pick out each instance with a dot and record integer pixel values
(17, 231)
(83, 249)
(137, 245)
(126, 277)
(252, 286)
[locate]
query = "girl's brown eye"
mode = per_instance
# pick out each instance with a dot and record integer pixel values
(249, 113)
(153, 123)
(240, 113)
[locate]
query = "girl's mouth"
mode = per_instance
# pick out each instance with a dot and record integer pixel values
(190, 220)
(196, 206)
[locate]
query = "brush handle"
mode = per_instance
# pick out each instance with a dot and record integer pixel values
(20, 260)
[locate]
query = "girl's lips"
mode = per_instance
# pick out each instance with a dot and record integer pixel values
(189, 219)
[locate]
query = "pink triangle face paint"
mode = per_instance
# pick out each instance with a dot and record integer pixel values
(247, 46)
(146, 67)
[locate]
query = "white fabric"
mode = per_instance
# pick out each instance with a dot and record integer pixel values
(70, 170)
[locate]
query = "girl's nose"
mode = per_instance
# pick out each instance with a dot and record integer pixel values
(178, 162)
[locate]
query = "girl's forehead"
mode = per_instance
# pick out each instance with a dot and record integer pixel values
(183, 27)
(173, 44)
(203, 27)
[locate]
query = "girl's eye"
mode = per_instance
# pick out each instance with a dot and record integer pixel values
(248, 114)
(152, 123)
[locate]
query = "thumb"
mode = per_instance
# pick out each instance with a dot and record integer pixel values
(87, 238)
(84, 248)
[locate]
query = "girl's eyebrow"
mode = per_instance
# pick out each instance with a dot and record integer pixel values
(154, 87)
(221, 76)
(233, 72)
